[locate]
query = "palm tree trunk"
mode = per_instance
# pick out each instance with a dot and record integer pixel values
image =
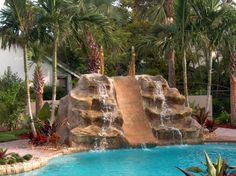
(233, 87)
(168, 8)
(171, 68)
(208, 102)
(185, 78)
(93, 54)
(38, 86)
(28, 91)
(184, 62)
(54, 79)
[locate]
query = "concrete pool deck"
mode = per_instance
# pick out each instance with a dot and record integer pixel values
(222, 135)
(42, 154)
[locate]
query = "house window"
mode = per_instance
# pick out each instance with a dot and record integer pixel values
(62, 81)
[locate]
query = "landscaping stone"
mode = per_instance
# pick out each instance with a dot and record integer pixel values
(178, 116)
(82, 112)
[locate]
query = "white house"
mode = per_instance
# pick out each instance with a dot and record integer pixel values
(13, 59)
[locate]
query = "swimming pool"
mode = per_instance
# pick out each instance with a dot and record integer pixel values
(159, 161)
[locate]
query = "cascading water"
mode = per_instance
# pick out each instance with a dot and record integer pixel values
(165, 117)
(101, 142)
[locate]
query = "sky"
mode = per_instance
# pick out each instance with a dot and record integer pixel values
(1, 3)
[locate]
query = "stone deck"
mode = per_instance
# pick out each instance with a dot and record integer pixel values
(222, 135)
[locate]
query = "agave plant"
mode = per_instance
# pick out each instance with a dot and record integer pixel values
(3, 153)
(220, 168)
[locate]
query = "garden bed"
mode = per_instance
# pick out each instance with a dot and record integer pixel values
(13, 135)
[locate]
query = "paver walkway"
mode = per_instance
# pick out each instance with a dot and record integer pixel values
(23, 147)
(222, 135)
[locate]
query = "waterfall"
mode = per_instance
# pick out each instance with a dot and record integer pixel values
(101, 142)
(165, 118)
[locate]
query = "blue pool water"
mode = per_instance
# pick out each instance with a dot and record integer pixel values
(159, 161)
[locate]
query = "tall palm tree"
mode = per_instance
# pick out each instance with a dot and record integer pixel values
(168, 7)
(233, 86)
(66, 18)
(173, 35)
(160, 11)
(182, 14)
(16, 20)
(228, 47)
(54, 16)
(212, 23)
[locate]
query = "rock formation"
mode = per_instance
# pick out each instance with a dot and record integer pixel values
(171, 121)
(94, 117)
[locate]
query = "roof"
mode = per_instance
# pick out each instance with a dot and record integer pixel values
(64, 68)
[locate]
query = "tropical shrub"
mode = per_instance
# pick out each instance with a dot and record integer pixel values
(201, 116)
(11, 158)
(46, 132)
(223, 118)
(47, 94)
(12, 100)
(220, 168)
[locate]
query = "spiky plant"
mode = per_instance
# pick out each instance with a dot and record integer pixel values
(220, 168)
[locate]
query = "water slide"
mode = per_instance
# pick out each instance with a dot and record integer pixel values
(136, 127)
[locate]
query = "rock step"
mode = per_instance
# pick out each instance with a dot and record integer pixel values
(90, 135)
(171, 98)
(173, 134)
(176, 116)
(97, 117)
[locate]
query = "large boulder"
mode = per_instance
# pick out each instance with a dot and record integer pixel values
(89, 109)
(171, 121)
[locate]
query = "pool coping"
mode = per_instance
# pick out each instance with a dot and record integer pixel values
(36, 163)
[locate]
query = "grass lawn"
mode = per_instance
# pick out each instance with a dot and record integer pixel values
(11, 135)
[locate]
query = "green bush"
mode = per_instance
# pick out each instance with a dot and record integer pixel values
(12, 158)
(7, 137)
(12, 99)
(223, 118)
(11, 135)
(47, 95)
(27, 157)
(3, 161)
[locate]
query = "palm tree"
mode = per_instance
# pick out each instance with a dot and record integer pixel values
(182, 12)
(102, 9)
(228, 48)
(160, 11)
(212, 22)
(233, 86)
(56, 19)
(168, 7)
(16, 20)
(64, 19)
(173, 35)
